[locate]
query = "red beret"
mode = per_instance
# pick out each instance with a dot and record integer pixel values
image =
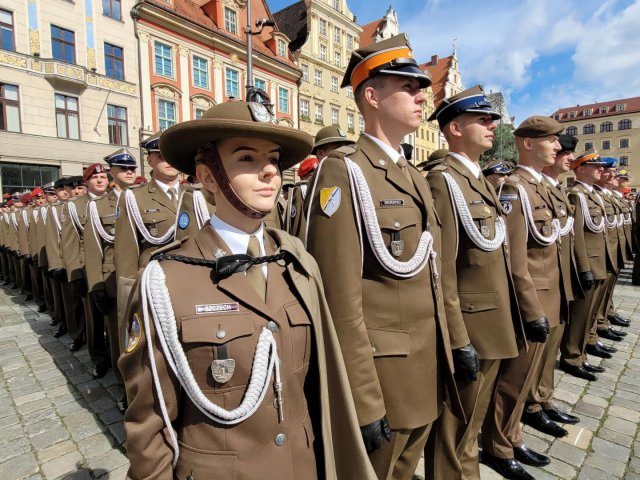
(37, 192)
(94, 169)
(308, 166)
(25, 198)
(140, 181)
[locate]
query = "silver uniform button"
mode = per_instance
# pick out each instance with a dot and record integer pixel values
(280, 439)
(221, 334)
(272, 326)
(397, 224)
(382, 162)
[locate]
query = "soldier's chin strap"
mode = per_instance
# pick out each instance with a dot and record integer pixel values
(214, 162)
(229, 264)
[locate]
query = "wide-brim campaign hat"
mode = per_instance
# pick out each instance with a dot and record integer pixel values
(179, 144)
(330, 134)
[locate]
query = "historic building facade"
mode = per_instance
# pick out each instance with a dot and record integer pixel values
(323, 34)
(68, 87)
(612, 127)
(193, 54)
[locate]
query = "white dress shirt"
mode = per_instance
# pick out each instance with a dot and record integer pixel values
(472, 166)
(393, 154)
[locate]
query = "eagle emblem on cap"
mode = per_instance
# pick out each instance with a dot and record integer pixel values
(260, 113)
(341, 133)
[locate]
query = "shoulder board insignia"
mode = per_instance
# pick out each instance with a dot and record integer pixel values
(514, 177)
(346, 150)
(441, 167)
(508, 196)
(133, 187)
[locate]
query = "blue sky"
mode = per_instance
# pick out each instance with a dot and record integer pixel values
(542, 54)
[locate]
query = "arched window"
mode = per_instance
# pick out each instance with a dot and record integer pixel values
(589, 128)
(572, 130)
(624, 124)
(606, 126)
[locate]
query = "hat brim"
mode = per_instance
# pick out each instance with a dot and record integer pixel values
(407, 71)
(326, 141)
(179, 144)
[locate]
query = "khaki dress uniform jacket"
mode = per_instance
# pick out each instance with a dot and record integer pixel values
(479, 291)
(61, 290)
(23, 217)
(131, 250)
(37, 286)
(294, 213)
(536, 274)
(318, 436)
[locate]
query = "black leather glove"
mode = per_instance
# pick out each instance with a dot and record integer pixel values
(102, 301)
(537, 330)
(586, 280)
(466, 363)
(60, 274)
(79, 287)
(375, 433)
(28, 258)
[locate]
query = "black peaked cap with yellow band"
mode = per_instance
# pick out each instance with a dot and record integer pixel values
(179, 144)
(392, 56)
(471, 100)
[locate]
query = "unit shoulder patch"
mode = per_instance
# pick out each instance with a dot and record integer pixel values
(134, 333)
(183, 220)
(330, 200)
(507, 207)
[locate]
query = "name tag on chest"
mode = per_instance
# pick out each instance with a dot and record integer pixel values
(391, 203)
(217, 308)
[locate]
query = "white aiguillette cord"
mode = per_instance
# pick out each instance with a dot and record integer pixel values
(531, 225)
(73, 213)
(462, 210)
(588, 221)
(134, 213)
(155, 296)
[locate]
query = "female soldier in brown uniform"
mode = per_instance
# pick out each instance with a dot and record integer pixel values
(232, 366)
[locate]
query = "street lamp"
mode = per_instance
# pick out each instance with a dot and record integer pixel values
(253, 94)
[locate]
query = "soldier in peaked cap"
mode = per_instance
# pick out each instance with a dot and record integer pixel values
(56, 272)
(591, 260)
(100, 269)
(43, 263)
(532, 225)
(150, 216)
(496, 172)
(482, 323)
(383, 287)
(275, 315)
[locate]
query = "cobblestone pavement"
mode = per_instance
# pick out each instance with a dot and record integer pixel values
(57, 422)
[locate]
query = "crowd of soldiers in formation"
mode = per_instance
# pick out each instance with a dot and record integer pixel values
(450, 288)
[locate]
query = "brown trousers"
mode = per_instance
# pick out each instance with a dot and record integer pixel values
(501, 427)
(576, 333)
(600, 320)
(541, 391)
(36, 284)
(606, 306)
(73, 312)
(58, 301)
(104, 350)
(398, 459)
(452, 449)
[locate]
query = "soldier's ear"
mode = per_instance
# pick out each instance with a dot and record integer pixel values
(205, 177)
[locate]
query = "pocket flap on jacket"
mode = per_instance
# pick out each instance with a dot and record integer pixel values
(396, 218)
(472, 302)
(541, 283)
(387, 343)
(209, 328)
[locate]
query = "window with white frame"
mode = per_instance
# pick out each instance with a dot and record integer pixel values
(67, 117)
(620, 107)
(319, 112)
(587, 111)
(200, 72)
(323, 52)
(349, 42)
(9, 108)
(117, 124)
(336, 5)
(361, 123)
(198, 113)
(337, 59)
(606, 144)
(335, 116)
(163, 59)
(350, 122)
(230, 20)
(304, 108)
(624, 143)
(350, 91)
(604, 109)
(337, 35)
(282, 48)
(624, 161)
(283, 100)
(588, 146)
(166, 114)
(232, 83)
(317, 79)
(305, 72)
(323, 26)
(261, 84)
(334, 83)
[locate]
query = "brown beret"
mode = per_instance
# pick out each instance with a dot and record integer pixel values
(538, 126)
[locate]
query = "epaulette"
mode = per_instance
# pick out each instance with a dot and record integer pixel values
(441, 167)
(514, 177)
(170, 246)
(346, 149)
(133, 187)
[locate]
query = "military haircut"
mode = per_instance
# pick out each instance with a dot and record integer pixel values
(376, 82)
